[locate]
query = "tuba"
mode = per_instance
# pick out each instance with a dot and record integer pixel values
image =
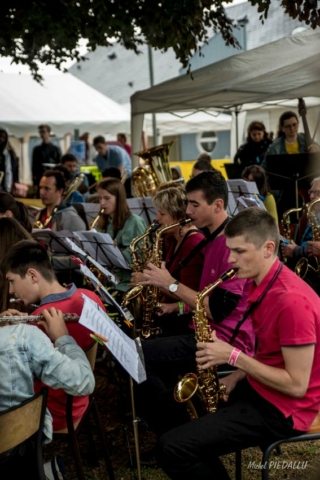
(145, 180)
(147, 296)
(74, 185)
(95, 221)
(303, 268)
(202, 392)
(40, 225)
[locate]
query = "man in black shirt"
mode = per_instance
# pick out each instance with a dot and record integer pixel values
(44, 153)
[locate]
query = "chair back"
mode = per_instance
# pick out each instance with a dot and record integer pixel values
(21, 422)
(91, 353)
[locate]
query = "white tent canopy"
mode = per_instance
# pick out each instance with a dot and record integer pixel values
(286, 69)
(176, 123)
(62, 101)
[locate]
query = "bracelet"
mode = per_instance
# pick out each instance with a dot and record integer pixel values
(186, 308)
(180, 305)
(234, 357)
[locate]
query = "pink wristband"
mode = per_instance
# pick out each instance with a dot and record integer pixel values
(186, 308)
(234, 357)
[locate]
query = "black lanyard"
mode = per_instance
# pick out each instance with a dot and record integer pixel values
(199, 247)
(254, 305)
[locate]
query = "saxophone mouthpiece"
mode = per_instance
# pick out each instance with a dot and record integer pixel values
(229, 274)
(185, 221)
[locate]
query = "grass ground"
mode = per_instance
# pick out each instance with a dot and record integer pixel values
(115, 412)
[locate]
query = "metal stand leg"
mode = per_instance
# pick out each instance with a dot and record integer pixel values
(135, 430)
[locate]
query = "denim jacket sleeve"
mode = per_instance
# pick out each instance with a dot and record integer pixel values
(61, 366)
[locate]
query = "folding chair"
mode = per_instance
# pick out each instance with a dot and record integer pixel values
(22, 423)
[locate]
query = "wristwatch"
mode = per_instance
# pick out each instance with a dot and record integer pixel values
(174, 287)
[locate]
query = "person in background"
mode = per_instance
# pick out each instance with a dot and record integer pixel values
(257, 143)
(51, 188)
(176, 174)
(71, 162)
(75, 196)
(8, 162)
(47, 152)
(255, 173)
(202, 164)
(122, 139)
(288, 140)
(308, 247)
(12, 208)
(117, 220)
(113, 156)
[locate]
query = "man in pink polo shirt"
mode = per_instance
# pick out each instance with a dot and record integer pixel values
(274, 395)
(168, 358)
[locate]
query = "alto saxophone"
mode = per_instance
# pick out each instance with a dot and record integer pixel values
(202, 392)
(303, 268)
(40, 225)
(148, 296)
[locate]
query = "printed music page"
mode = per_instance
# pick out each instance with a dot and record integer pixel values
(120, 345)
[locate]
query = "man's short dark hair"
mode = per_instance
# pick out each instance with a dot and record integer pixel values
(45, 126)
(28, 254)
(63, 169)
(256, 225)
(68, 157)
(99, 139)
(113, 172)
(60, 181)
(212, 184)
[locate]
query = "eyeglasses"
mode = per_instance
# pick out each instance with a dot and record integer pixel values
(293, 125)
(314, 192)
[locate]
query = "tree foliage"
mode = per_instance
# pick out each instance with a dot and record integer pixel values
(49, 31)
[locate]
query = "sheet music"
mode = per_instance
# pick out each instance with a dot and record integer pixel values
(241, 195)
(104, 294)
(103, 270)
(100, 246)
(55, 240)
(120, 345)
(143, 207)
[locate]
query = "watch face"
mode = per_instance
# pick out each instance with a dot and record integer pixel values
(173, 287)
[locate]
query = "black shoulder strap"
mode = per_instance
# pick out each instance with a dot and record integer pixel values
(199, 247)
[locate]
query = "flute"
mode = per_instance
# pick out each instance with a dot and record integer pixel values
(13, 319)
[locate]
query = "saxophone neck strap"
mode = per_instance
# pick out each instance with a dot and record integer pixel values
(199, 247)
(254, 305)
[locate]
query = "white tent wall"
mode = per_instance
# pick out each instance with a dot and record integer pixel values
(286, 69)
(62, 101)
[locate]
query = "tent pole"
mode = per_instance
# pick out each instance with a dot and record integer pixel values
(154, 123)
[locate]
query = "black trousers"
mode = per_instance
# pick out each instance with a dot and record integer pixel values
(191, 451)
(166, 360)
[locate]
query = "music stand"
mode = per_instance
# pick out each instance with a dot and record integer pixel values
(241, 195)
(91, 210)
(142, 206)
(100, 246)
(289, 173)
(55, 240)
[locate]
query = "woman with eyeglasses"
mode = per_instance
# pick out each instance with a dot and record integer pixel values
(289, 140)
